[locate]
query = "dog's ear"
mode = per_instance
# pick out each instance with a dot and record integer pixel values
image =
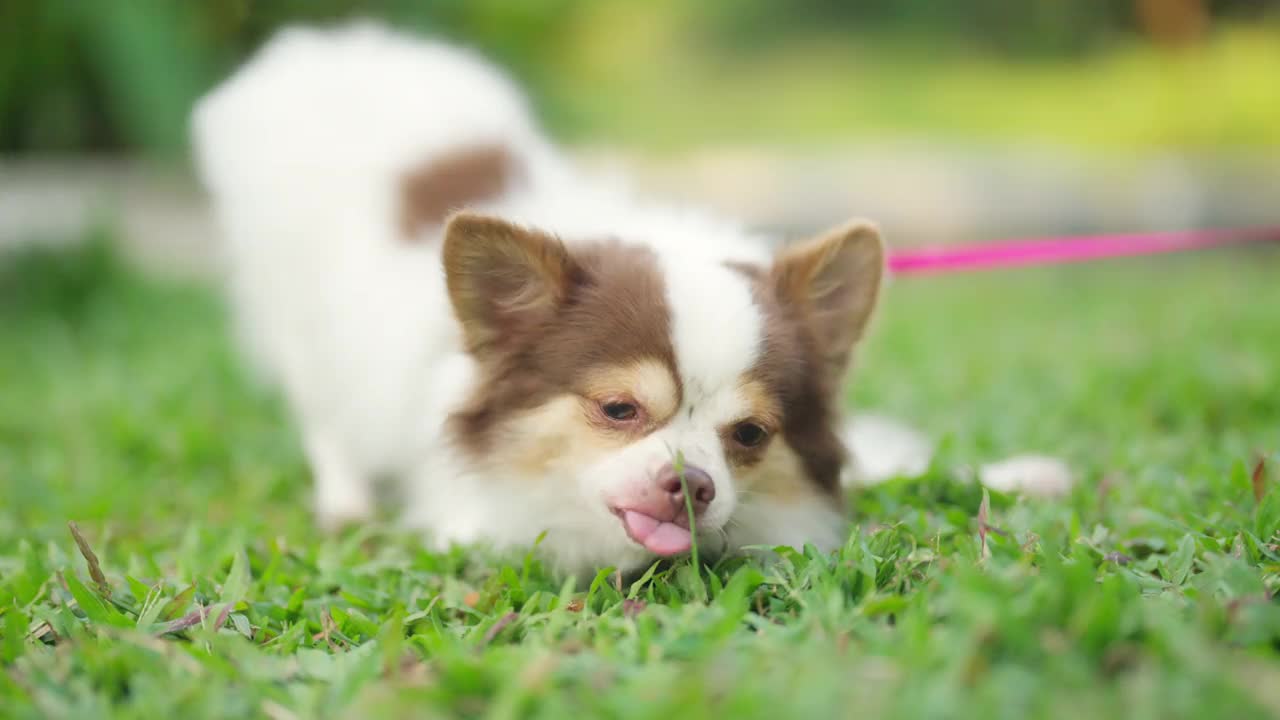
(503, 279)
(832, 283)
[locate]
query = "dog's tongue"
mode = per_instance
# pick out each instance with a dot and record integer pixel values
(660, 538)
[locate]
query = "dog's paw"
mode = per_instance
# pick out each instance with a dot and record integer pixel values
(336, 511)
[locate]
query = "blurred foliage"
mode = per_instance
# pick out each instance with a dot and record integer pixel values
(79, 75)
(99, 75)
(1015, 29)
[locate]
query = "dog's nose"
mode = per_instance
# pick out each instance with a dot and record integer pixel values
(701, 488)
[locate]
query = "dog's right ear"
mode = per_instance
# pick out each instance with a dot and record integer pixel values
(503, 279)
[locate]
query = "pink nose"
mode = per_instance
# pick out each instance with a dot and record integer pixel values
(701, 489)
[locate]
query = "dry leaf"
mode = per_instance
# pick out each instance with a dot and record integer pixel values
(984, 509)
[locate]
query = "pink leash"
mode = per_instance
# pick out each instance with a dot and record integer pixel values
(1055, 250)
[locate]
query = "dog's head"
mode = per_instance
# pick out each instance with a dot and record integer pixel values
(621, 390)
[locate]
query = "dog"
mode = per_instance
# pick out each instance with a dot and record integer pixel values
(533, 355)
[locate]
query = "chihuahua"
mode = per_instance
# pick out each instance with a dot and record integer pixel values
(526, 350)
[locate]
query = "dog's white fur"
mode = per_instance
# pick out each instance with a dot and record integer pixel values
(302, 152)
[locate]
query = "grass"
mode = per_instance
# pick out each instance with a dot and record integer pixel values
(1148, 593)
(1132, 98)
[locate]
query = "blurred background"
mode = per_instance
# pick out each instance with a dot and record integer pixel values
(942, 120)
(121, 397)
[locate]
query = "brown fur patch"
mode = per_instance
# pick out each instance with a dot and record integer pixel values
(456, 180)
(540, 441)
(792, 369)
(779, 473)
(816, 300)
(609, 319)
(645, 382)
(764, 409)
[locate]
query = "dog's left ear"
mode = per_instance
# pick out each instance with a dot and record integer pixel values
(832, 283)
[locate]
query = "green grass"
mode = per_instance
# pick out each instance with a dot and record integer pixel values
(1148, 593)
(655, 86)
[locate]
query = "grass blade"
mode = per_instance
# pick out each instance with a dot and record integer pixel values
(91, 559)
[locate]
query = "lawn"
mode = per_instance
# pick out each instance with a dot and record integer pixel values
(1148, 593)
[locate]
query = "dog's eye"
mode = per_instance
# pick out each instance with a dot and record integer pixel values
(621, 411)
(749, 434)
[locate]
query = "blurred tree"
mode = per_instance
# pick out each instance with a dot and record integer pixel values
(1015, 28)
(82, 75)
(1173, 22)
(1022, 28)
(97, 75)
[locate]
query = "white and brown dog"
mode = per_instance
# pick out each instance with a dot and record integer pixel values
(544, 361)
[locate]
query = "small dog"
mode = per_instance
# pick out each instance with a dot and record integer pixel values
(527, 350)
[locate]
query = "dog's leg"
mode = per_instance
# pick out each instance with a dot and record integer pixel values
(343, 495)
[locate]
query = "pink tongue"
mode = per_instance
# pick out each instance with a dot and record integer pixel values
(660, 538)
